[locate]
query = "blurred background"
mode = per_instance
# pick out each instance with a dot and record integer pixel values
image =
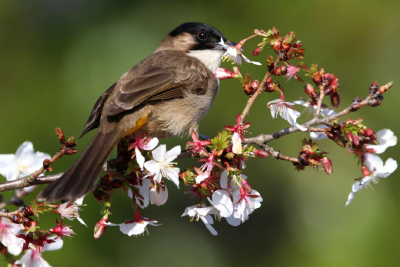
(57, 57)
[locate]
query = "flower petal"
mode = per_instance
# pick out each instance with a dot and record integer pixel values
(144, 191)
(233, 221)
(133, 228)
(208, 224)
(350, 198)
(373, 162)
(57, 245)
(386, 139)
(151, 144)
(236, 144)
(249, 61)
(172, 174)
(159, 153)
(139, 158)
(389, 168)
(221, 201)
(24, 151)
(154, 168)
(173, 154)
(224, 180)
(158, 198)
(8, 167)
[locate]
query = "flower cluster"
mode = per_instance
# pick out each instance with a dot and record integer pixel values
(143, 167)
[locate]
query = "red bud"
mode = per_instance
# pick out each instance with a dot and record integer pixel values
(261, 153)
(100, 227)
(257, 51)
(327, 165)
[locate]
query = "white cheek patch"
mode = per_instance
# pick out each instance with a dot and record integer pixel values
(210, 58)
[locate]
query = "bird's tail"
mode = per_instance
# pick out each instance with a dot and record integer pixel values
(80, 178)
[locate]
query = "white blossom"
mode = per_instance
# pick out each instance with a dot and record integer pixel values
(235, 54)
(33, 256)
(377, 170)
(135, 227)
(70, 210)
(8, 230)
(162, 165)
(24, 162)
(286, 111)
(202, 213)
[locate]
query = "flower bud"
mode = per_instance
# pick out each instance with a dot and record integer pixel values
(260, 32)
(327, 165)
(257, 51)
(222, 73)
(385, 87)
(100, 227)
(310, 91)
(60, 135)
(335, 100)
(261, 153)
(230, 155)
(255, 84)
(246, 186)
(270, 61)
(373, 88)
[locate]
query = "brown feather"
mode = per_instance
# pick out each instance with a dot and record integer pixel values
(94, 118)
(80, 178)
(174, 91)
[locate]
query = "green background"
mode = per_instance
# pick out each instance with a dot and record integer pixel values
(57, 57)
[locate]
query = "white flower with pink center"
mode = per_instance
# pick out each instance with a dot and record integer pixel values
(8, 230)
(133, 227)
(235, 54)
(143, 143)
(286, 111)
(202, 213)
(70, 210)
(376, 170)
(162, 165)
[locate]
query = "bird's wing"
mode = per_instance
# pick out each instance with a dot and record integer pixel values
(94, 119)
(159, 82)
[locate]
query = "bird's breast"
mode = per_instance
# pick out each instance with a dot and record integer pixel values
(180, 116)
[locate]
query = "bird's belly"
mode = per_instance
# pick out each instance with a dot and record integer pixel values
(179, 116)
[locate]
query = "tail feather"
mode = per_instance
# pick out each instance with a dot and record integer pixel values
(80, 178)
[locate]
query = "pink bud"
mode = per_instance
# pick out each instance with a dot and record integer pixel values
(327, 165)
(255, 84)
(246, 186)
(100, 227)
(261, 153)
(222, 73)
(335, 100)
(257, 51)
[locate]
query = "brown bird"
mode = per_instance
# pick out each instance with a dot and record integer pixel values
(166, 94)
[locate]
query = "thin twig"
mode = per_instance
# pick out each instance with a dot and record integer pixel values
(320, 99)
(262, 139)
(260, 89)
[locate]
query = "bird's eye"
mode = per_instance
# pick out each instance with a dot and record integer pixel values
(202, 35)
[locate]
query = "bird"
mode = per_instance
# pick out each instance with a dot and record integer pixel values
(166, 94)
